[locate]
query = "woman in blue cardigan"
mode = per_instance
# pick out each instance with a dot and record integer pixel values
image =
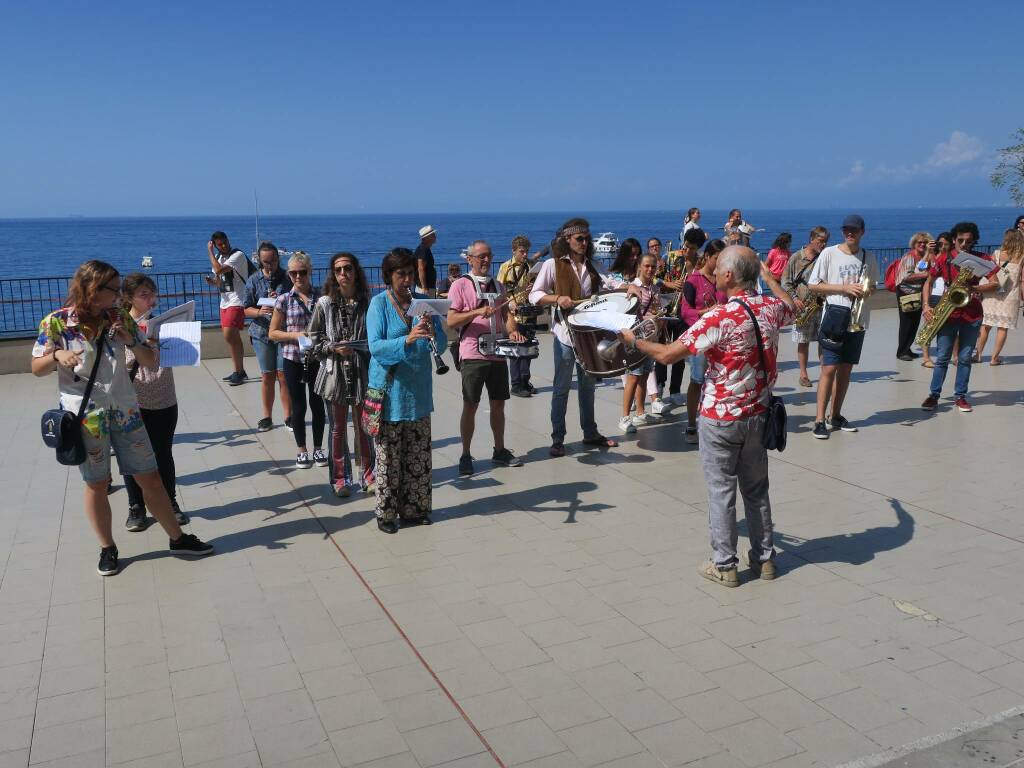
(400, 350)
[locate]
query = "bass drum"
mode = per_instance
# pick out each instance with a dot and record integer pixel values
(585, 338)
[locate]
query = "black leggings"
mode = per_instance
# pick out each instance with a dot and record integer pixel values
(909, 322)
(661, 374)
(297, 391)
(160, 425)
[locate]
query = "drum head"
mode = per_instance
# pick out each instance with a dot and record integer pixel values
(618, 303)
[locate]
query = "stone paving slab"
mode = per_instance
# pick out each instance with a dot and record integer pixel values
(552, 616)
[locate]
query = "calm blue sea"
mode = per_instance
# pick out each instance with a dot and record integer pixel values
(55, 247)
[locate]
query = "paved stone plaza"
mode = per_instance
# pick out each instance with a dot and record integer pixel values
(552, 616)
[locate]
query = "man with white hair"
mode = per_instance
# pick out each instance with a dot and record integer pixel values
(733, 411)
(478, 320)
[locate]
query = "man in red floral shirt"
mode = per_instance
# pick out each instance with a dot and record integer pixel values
(733, 408)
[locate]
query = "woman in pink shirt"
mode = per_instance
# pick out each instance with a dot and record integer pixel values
(779, 255)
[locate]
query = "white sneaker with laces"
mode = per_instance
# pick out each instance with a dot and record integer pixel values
(626, 425)
(303, 460)
(659, 406)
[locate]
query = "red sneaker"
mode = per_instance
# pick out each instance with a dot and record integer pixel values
(930, 403)
(963, 406)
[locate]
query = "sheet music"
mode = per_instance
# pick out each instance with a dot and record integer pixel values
(437, 307)
(609, 321)
(183, 313)
(180, 344)
(266, 301)
(979, 266)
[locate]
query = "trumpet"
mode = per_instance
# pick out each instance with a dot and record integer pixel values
(857, 308)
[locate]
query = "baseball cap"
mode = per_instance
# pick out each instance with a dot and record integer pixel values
(854, 221)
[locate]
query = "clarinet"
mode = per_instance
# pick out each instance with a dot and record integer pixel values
(439, 365)
(348, 366)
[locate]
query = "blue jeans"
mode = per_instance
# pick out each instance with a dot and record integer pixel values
(949, 333)
(565, 361)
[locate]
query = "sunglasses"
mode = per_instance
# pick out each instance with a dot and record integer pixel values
(298, 272)
(344, 269)
(581, 238)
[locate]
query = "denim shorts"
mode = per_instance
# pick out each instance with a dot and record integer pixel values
(133, 450)
(643, 369)
(849, 354)
(269, 355)
(698, 367)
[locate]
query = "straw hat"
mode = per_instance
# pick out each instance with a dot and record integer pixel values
(427, 231)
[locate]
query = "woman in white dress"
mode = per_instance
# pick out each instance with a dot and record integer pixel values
(1002, 308)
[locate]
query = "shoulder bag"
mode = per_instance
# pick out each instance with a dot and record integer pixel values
(62, 430)
(774, 437)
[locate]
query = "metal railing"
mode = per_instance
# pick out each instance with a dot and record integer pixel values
(25, 301)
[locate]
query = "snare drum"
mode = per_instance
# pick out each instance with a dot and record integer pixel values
(519, 349)
(586, 338)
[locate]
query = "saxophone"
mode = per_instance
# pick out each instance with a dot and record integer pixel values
(813, 304)
(957, 295)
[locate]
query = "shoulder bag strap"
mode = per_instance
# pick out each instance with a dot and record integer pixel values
(92, 376)
(760, 341)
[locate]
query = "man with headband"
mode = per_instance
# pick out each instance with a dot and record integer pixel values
(568, 276)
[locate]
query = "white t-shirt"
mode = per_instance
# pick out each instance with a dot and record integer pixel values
(836, 267)
(232, 284)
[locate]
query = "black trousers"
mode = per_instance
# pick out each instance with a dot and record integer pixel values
(297, 389)
(661, 374)
(909, 322)
(160, 425)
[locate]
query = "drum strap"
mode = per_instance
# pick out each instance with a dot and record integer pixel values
(567, 282)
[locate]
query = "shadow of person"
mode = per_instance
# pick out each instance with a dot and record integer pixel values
(850, 548)
(558, 498)
(215, 475)
(230, 438)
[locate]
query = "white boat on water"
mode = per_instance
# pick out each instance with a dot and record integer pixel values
(607, 243)
(147, 262)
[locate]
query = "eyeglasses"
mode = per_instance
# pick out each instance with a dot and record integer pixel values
(116, 291)
(484, 255)
(581, 238)
(298, 272)
(344, 268)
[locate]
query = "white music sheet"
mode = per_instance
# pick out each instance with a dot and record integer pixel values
(180, 344)
(183, 313)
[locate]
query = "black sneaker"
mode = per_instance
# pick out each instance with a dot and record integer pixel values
(136, 519)
(288, 423)
(505, 458)
(840, 422)
(180, 516)
(820, 430)
(264, 425)
(466, 465)
(235, 379)
(108, 561)
(530, 388)
(190, 546)
(520, 392)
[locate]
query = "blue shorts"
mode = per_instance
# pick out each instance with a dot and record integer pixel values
(133, 450)
(643, 369)
(698, 367)
(848, 354)
(269, 355)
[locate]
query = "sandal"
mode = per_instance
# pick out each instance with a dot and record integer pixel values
(805, 381)
(557, 450)
(600, 441)
(927, 363)
(996, 361)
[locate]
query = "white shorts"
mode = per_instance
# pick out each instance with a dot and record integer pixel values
(804, 334)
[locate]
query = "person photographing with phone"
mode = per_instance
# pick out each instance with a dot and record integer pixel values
(230, 271)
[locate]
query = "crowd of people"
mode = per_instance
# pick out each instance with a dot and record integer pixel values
(348, 357)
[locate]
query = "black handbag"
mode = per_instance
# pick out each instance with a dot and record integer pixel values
(62, 430)
(835, 324)
(774, 438)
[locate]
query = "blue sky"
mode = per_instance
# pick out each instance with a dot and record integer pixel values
(185, 108)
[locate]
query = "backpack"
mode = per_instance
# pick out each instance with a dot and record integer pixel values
(890, 275)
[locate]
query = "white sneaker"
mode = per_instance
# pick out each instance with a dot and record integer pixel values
(641, 420)
(626, 425)
(659, 406)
